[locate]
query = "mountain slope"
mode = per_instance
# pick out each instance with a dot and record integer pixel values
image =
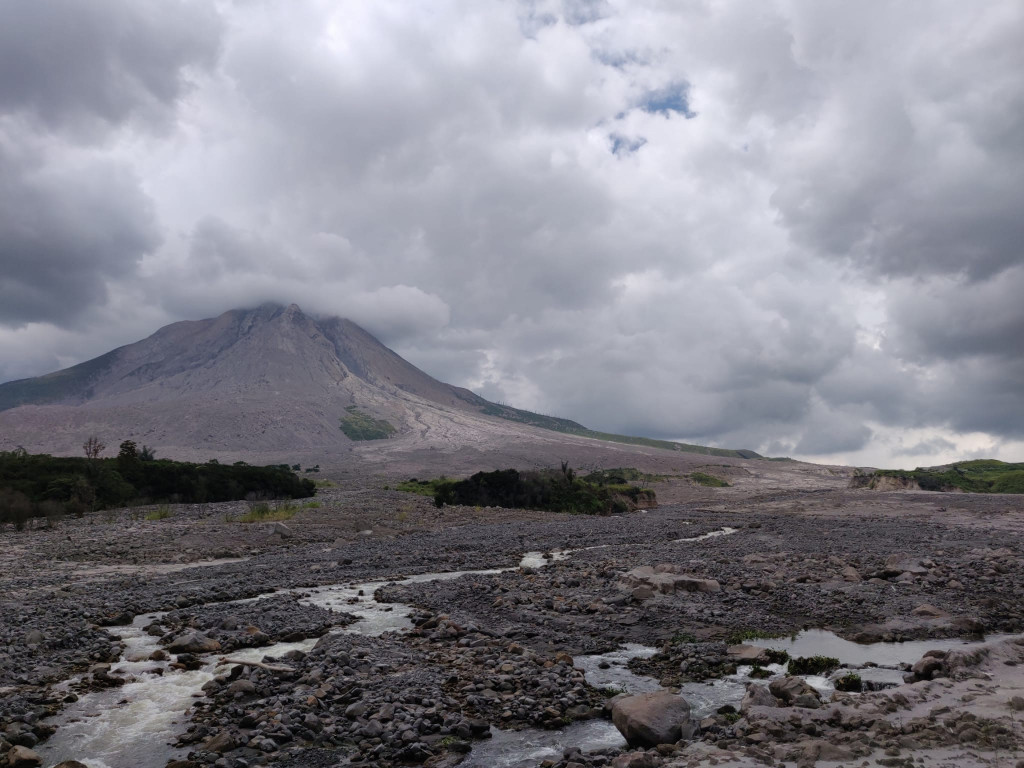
(269, 380)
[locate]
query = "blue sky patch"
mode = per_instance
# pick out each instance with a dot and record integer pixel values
(673, 98)
(623, 145)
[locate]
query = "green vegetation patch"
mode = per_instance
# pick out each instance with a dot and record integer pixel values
(358, 425)
(850, 683)
(702, 478)
(812, 665)
(979, 476)
(160, 513)
(551, 490)
(623, 476)
(263, 512)
(422, 487)
(37, 485)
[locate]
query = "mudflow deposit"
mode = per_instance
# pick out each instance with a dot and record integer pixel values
(374, 628)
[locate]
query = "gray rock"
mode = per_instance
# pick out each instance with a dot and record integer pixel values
(650, 719)
(23, 757)
(927, 668)
(242, 686)
(193, 642)
(789, 689)
(222, 742)
(34, 637)
(757, 696)
(748, 654)
(282, 530)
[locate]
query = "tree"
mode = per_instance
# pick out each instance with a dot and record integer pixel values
(93, 447)
(128, 452)
(146, 453)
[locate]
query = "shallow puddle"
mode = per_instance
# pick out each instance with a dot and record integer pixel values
(820, 642)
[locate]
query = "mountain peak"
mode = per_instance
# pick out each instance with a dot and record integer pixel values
(247, 377)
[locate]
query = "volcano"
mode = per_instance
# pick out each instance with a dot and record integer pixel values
(270, 382)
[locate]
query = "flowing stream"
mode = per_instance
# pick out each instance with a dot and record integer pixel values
(134, 726)
(129, 726)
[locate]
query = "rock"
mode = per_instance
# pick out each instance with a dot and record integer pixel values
(643, 592)
(1016, 704)
(927, 611)
(650, 719)
(789, 689)
(23, 757)
(897, 565)
(222, 742)
(282, 530)
(71, 764)
(927, 668)
(244, 687)
(34, 637)
(757, 696)
(819, 749)
(851, 574)
(747, 654)
(633, 760)
(193, 642)
(668, 579)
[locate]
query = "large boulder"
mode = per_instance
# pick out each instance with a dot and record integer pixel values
(794, 691)
(757, 696)
(668, 579)
(748, 654)
(650, 719)
(23, 757)
(193, 642)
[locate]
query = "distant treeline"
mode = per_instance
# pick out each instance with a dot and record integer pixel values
(551, 490)
(39, 484)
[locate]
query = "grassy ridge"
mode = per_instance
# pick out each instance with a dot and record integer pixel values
(570, 427)
(980, 476)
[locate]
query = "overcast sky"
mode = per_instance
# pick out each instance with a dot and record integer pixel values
(796, 227)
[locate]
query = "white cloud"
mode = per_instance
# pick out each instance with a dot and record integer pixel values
(811, 240)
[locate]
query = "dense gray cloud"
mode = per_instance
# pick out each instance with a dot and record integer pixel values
(789, 226)
(65, 231)
(88, 66)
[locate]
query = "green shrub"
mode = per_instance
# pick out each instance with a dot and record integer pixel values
(1010, 482)
(81, 484)
(812, 665)
(850, 683)
(15, 507)
(551, 490)
(759, 673)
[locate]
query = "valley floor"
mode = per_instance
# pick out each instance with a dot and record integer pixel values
(496, 649)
